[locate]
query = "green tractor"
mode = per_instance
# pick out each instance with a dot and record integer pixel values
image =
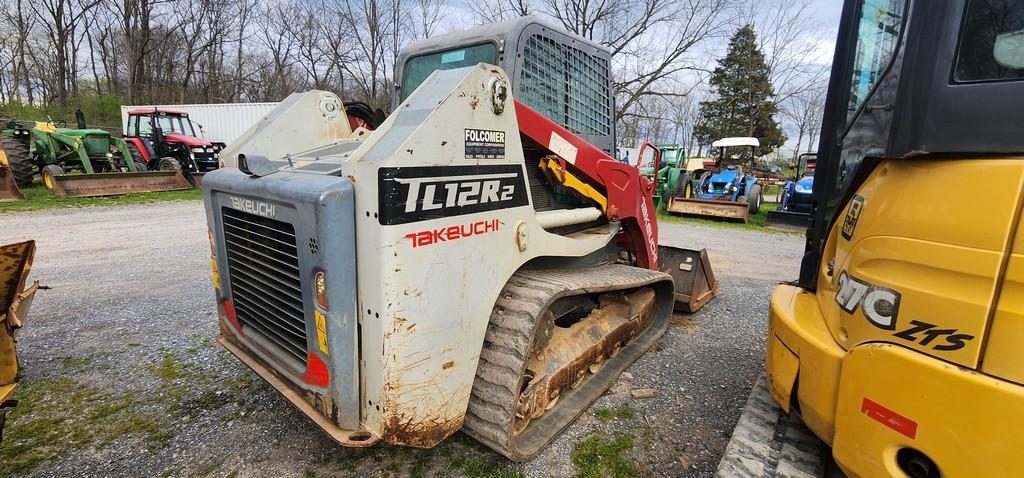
(672, 176)
(79, 162)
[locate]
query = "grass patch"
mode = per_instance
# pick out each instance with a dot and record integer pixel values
(169, 368)
(622, 412)
(38, 197)
(485, 468)
(58, 416)
(599, 456)
(754, 223)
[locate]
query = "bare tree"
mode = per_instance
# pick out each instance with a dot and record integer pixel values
(490, 11)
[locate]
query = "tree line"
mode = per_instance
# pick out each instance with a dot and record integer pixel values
(60, 52)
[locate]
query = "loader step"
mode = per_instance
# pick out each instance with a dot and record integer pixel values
(521, 325)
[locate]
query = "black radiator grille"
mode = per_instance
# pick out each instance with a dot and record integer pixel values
(263, 268)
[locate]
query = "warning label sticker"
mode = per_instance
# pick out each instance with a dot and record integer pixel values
(485, 144)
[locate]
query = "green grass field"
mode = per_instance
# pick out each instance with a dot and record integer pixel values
(38, 197)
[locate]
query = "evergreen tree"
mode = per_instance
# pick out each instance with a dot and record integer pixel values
(744, 106)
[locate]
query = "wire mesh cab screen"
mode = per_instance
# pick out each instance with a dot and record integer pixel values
(568, 85)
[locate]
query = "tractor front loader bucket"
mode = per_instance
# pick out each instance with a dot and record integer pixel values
(112, 184)
(695, 282)
(9, 190)
(788, 221)
(709, 208)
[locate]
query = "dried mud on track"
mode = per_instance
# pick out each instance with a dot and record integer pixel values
(122, 376)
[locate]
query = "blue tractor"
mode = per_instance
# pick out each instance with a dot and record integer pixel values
(728, 192)
(795, 201)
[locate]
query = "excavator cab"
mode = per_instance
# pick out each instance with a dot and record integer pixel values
(898, 345)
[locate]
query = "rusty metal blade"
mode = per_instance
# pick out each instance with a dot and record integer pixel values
(9, 190)
(112, 184)
(788, 221)
(695, 282)
(709, 208)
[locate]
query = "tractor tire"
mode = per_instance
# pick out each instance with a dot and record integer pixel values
(137, 158)
(684, 187)
(18, 161)
(168, 164)
(49, 173)
(521, 321)
(754, 199)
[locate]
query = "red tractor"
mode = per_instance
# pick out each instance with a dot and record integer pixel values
(166, 140)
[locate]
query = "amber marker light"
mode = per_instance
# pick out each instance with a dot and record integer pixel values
(320, 287)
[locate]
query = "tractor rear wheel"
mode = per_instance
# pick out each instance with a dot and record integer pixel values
(49, 174)
(684, 187)
(168, 164)
(137, 157)
(557, 339)
(18, 161)
(754, 198)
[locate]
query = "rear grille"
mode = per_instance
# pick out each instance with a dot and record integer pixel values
(263, 267)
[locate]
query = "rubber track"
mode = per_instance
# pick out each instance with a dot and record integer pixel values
(18, 160)
(508, 341)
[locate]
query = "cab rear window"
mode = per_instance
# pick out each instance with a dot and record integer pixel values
(419, 68)
(991, 42)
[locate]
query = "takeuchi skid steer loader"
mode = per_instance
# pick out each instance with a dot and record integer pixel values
(470, 264)
(900, 344)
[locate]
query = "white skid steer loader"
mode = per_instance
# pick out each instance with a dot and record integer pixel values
(469, 264)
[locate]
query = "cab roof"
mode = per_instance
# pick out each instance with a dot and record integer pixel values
(149, 111)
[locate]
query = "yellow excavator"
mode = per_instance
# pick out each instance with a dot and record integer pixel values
(900, 343)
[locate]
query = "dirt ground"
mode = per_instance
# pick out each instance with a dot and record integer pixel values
(122, 376)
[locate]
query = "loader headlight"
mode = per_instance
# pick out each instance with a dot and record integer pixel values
(799, 188)
(320, 288)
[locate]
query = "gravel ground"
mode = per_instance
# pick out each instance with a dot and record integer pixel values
(121, 352)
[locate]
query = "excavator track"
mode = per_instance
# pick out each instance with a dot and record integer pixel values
(519, 334)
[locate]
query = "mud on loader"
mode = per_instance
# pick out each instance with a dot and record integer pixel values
(102, 163)
(900, 343)
(470, 264)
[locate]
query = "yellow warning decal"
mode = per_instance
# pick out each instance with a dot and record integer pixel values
(321, 331)
(216, 276)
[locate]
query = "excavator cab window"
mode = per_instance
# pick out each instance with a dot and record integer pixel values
(420, 67)
(877, 38)
(991, 42)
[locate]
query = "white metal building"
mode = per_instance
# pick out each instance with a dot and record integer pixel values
(220, 122)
